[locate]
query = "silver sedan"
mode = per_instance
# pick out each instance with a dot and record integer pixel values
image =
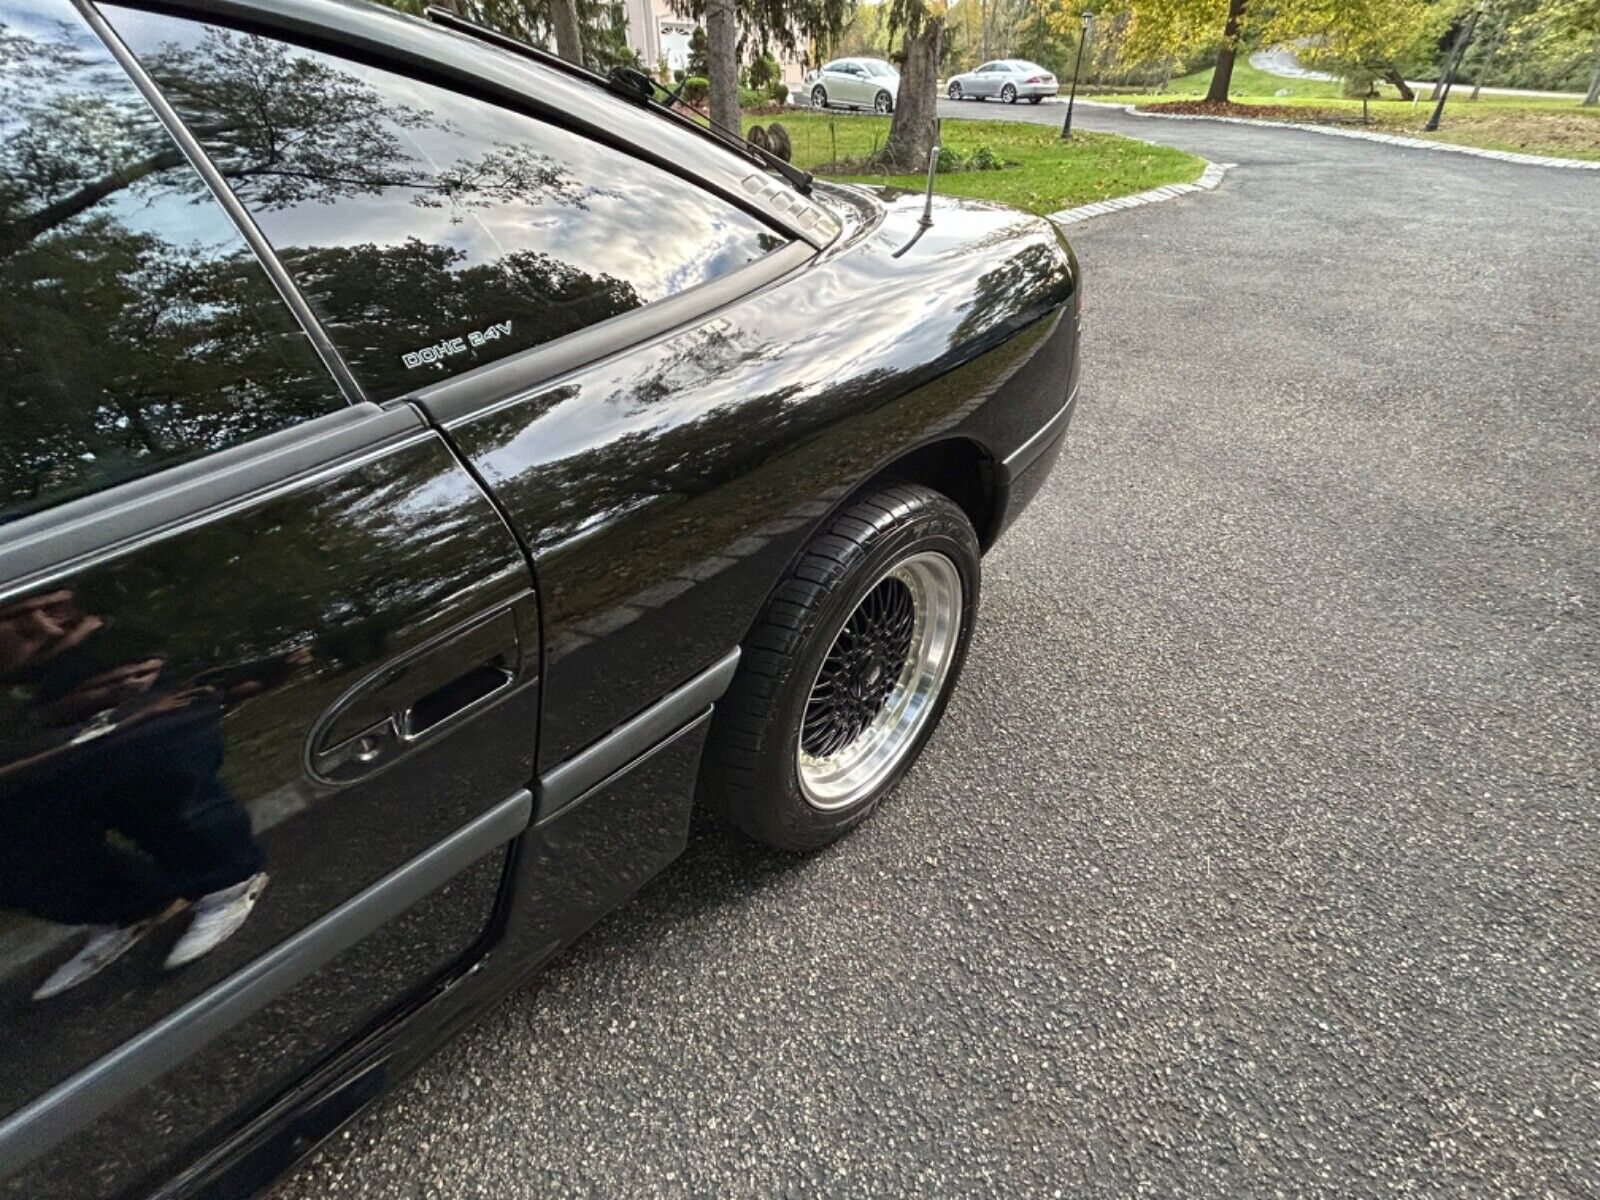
(854, 83)
(1008, 79)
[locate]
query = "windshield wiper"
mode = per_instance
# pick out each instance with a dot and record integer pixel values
(631, 85)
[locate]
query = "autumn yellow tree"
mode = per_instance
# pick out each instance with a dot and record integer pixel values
(1376, 32)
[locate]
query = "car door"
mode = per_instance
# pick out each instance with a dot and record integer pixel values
(989, 79)
(847, 86)
(267, 651)
(833, 81)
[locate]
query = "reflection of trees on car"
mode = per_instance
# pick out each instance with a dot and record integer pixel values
(180, 344)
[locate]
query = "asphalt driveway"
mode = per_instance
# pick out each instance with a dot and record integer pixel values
(1260, 849)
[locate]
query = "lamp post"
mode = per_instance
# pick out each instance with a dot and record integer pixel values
(1447, 81)
(1072, 96)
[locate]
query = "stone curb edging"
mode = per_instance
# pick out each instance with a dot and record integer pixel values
(1363, 135)
(1208, 181)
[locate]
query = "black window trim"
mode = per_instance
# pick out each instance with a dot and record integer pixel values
(507, 380)
(64, 537)
(349, 387)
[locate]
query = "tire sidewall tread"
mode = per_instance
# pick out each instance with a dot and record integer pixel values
(749, 772)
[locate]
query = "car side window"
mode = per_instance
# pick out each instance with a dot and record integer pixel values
(137, 328)
(432, 232)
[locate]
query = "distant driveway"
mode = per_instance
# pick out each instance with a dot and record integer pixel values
(1281, 61)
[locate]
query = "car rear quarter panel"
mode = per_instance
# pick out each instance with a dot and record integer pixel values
(664, 490)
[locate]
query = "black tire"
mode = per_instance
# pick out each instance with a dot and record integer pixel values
(954, 91)
(750, 771)
(819, 97)
(1034, 99)
(883, 102)
(1008, 94)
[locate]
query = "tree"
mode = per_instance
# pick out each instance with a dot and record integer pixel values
(1578, 19)
(722, 53)
(1232, 31)
(569, 35)
(910, 141)
(593, 33)
(1387, 39)
(736, 28)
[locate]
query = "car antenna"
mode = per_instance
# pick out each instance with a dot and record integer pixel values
(933, 165)
(630, 84)
(925, 221)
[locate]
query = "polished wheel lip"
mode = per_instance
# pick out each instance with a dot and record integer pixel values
(855, 771)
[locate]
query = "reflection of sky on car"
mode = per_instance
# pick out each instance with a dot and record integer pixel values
(139, 209)
(598, 223)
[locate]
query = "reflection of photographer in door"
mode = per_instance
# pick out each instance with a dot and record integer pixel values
(113, 815)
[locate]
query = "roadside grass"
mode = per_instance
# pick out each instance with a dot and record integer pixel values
(1042, 174)
(1530, 125)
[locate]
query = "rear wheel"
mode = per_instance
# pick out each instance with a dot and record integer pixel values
(882, 103)
(819, 97)
(1034, 99)
(1008, 94)
(847, 671)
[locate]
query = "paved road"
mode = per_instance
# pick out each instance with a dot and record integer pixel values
(1259, 852)
(1280, 60)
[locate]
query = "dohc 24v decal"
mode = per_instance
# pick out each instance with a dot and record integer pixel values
(448, 347)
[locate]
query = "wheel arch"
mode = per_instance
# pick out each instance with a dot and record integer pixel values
(957, 467)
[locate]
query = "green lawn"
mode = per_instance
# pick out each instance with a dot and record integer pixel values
(1529, 125)
(1042, 174)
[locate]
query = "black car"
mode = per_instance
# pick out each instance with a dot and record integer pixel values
(426, 473)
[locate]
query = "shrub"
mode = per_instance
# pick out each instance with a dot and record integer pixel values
(949, 160)
(984, 159)
(762, 72)
(750, 98)
(677, 75)
(696, 89)
(778, 90)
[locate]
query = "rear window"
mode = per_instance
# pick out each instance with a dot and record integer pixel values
(137, 329)
(431, 231)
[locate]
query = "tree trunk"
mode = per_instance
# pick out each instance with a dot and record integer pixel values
(911, 129)
(1394, 76)
(569, 34)
(1593, 98)
(722, 60)
(1222, 77)
(983, 28)
(15, 235)
(1488, 59)
(1458, 48)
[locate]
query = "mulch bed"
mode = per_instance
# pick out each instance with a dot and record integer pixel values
(1260, 112)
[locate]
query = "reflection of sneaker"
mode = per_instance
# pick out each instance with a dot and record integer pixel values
(217, 917)
(106, 944)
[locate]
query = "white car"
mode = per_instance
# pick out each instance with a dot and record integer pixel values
(854, 83)
(1008, 79)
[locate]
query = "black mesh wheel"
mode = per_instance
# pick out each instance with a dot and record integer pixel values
(846, 673)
